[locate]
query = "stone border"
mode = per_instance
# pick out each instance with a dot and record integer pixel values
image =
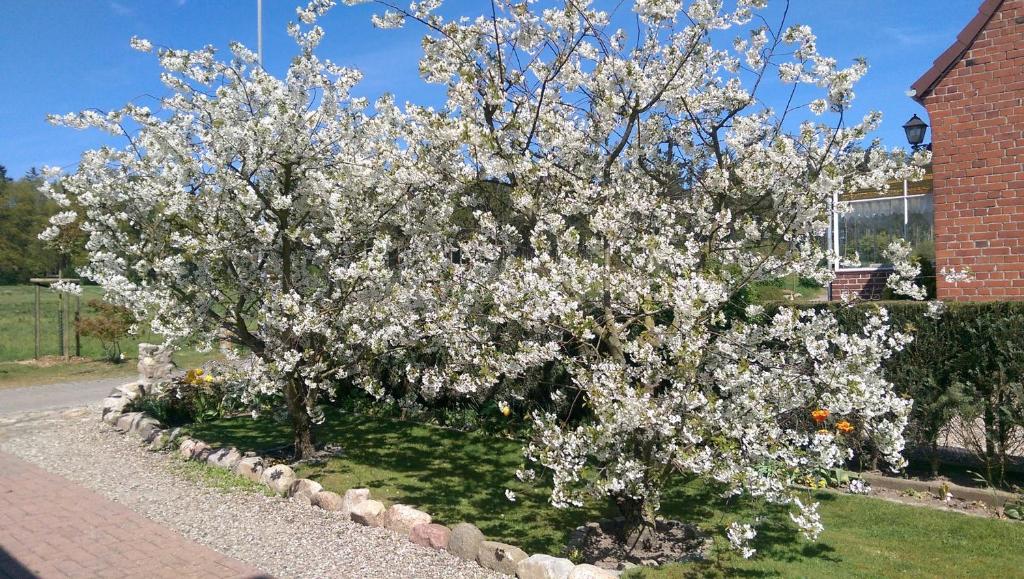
(994, 498)
(464, 540)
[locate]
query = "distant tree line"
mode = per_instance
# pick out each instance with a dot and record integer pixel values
(24, 213)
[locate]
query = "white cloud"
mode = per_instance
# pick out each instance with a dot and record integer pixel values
(904, 37)
(121, 9)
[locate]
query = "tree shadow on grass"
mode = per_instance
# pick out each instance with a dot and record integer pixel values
(778, 538)
(456, 476)
(462, 476)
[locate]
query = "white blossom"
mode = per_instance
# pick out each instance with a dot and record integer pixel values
(141, 44)
(953, 275)
(807, 520)
(905, 271)
(935, 309)
(279, 214)
(314, 10)
(740, 536)
(585, 200)
(859, 487)
(607, 228)
(66, 287)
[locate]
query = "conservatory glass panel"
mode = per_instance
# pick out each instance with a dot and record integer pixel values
(867, 229)
(920, 232)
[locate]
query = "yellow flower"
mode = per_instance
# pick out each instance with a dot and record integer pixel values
(208, 378)
(820, 415)
(504, 408)
(844, 427)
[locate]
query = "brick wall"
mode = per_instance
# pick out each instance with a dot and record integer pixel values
(867, 285)
(977, 117)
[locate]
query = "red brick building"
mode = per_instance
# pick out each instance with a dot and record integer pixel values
(974, 95)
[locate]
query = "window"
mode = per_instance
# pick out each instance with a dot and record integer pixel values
(861, 235)
(920, 225)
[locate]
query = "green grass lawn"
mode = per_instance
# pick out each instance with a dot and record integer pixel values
(17, 329)
(18, 375)
(17, 342)
(784, 288)
(463, 476)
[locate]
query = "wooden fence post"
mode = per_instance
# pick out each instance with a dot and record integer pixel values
(37, 322)
(64, 317)
(78, 317)
(60, 324)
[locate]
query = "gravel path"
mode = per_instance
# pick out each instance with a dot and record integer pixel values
(63, 395)
(278, 536)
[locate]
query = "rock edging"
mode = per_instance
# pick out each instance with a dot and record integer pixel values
(464, 540)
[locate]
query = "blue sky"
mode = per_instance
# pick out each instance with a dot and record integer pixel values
(59, 56)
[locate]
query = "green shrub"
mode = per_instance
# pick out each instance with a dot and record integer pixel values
(1015, 508)
(966, 365)
(192, 399)
(109, 324)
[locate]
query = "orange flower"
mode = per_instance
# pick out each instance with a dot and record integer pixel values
(820, 415)
(844, 427)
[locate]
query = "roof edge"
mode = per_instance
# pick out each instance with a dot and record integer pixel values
(949, 58)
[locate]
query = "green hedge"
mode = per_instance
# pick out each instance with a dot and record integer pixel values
(967, 364)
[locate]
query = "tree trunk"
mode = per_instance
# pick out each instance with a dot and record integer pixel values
(639, 530)
(302, 425)
(935, 459)
(1003, 428)
(991, 455)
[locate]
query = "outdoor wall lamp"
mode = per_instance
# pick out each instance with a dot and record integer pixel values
(915, 129)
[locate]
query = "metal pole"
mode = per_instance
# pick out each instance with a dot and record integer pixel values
(906, 209)
(835, 231)
(259, 31)
(37, 322)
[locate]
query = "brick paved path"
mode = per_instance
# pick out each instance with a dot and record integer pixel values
(52, 527)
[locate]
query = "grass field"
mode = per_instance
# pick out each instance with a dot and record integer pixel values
(17, 342)
(463, 476)
(17, 333)
(787, 289)
(21, 374)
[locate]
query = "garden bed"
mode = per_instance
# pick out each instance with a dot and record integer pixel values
(940, 493)
(462, 477)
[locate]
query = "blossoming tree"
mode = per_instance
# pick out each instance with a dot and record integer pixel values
(649, 181)
(645, 182)
(278, 213)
